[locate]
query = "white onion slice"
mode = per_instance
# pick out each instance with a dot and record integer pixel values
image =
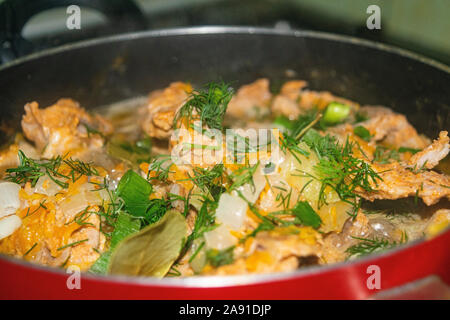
(8, 225)
(251, 192)
(220, 238)
(9, 198)
(47, 186)
(231, 211)
(74, 205)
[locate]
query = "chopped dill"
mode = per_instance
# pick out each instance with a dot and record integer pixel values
(173, 272)
(242, 176)
(207, 105)
(209, 180)
(204, 222)
(338, 168)
(31, 249)
(384, 155)
(217, 258)
(30, 170)
(159, 168)
(72, 244)
(367, 246)
(196, 252)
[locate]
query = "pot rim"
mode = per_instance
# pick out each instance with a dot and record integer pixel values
(205, 30)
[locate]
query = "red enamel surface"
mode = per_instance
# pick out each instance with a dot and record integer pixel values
(17, 281)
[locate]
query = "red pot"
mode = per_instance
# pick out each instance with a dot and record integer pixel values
(349, 280)
(360, 70)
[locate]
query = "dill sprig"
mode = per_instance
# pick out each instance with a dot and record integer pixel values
(339, 169)
(384, 155)
(207, 105)
(367, 246)
(72, 244)
(242, 176)
(298, 129)
(159, 168)
(30, 170)
(204, 222)
(209, 180)
(217, 258)
(109, 209)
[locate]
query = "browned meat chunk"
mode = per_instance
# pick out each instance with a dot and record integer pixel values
(162, 106)
(391, 128)
(294, 99)
(431, 155)
(251, 101)
(276, 251)
(401, 182)
(63, 127)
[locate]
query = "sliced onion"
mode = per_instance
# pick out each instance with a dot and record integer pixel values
(9, 198)
(251, 192)
(231, 211)
(220, 238)
(47, 186)
(73, 205)
(199, 260)
(8, 225)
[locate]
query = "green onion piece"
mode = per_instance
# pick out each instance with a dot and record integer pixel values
(219, 258)
(100, 266)
(155, 210)
(135, 192)
(362, 132)
(125, 225)
(306, 214)
(335, 113)
(283, 122)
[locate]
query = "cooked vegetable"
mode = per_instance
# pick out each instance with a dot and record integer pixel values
(219, 258)
(306, 214)
(362, 132)
(335, 113)
(8, 225)
(151, 251)
(124, 226)
(132, 153)
(135, 192)
(9, 198)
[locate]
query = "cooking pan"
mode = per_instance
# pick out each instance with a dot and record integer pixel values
(106, 70)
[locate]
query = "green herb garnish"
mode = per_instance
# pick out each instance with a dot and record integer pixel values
(30, 170)
(217, 258)
(338, 168)
(404, 149)
(363, 133)
(367, 246)
(135, 192)
(207, 105)
(306, 214)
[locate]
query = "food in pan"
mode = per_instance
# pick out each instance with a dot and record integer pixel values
(212, 181)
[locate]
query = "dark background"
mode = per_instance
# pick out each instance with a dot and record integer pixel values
(422, 26)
